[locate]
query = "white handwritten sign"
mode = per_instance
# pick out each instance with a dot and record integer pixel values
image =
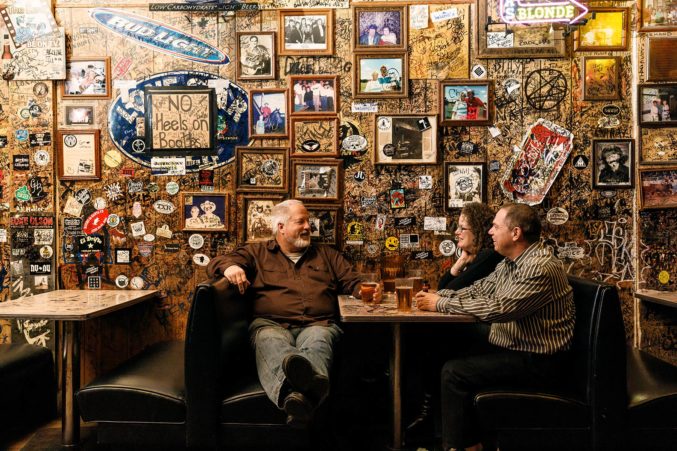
(445, 14)
(180, 118)
(500, 40)
(41, 58)
(418, 17)
(286, 4)
(168, 165)
(367, 107)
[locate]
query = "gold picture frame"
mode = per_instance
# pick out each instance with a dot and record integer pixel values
(605, 29)
(296, 41)
(601, 77)
(78, 154)
(315, 137)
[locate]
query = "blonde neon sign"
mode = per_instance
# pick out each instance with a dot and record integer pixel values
(521, 12)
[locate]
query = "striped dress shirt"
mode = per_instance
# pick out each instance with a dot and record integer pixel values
(528, 301)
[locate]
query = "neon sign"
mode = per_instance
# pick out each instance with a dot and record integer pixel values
(520, 12)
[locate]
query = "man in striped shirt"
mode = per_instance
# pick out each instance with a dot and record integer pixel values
(528, 302)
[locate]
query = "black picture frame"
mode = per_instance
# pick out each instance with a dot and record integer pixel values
(620, 151)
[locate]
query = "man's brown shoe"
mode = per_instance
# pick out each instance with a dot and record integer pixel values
(298, 409)
(303, 378)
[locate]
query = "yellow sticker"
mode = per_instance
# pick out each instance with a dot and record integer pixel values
(664, 277)
(392, 243)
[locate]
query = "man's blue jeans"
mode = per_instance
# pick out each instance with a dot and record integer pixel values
(272, 343)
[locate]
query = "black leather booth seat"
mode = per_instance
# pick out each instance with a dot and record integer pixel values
(27, 388)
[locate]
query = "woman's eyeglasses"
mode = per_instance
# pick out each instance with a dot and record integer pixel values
(462, 229)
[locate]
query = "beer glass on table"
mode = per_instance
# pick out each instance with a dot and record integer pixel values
(404, 291)
(417, 276)
(370, 281)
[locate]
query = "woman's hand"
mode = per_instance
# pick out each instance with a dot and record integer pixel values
(464, 260)
(426, 301)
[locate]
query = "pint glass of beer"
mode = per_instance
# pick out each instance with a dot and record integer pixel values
(404, 291)
(370, 281)
(417, 276)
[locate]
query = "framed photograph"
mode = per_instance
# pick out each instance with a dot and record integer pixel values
(180, 120)
(78, 154)
(380, 75)
(203, 212)
(256, 212)
(612, 161)
(314, 137)
(606, 29)
(601, 77)
(496, 39)
(317, 180)
(256, 55)
(268, 113)
(661, 64)
(87, 78)
(657, 15)
(315, 94)
(658, 105)
(79, 114)
(464, 183)
(658, 188)
(262, 169)
(405, 139)
(306, 32)
(466, 102)
(324, 223)
(658, 145)
(380, 28)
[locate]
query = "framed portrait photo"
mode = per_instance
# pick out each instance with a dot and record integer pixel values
(464, 183)
(661, 64)
(317, 180)
(306, 32)
(380, 75)
(87, 78)
(405, 139)
(324, 223)
(601, 77)
(657, 105)
(78, 154)
(314, 94)
(79, 114)
(256, 217)
(606, 29)
(658, 188)
(203, 212)
(256, 55)
(268, 113)
(380, 28)
(466, 102)
(612, 163)
(262, 169)
(315, 137)
(657, 15)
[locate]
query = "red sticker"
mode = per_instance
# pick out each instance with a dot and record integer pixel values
(95, 221)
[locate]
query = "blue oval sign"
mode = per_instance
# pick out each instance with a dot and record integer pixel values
(158, 36)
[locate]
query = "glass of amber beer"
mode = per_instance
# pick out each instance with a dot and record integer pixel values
(370, 281)
(404, 291)
(417, 276)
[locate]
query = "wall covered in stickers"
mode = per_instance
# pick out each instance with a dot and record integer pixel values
(305, 103)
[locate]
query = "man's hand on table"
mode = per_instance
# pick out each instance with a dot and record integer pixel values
(426, 301)
(378, 294)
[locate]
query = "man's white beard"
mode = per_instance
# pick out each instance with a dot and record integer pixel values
(300, 242)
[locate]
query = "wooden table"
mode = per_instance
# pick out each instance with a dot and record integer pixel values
(353, 310)
(668, 298)
(71, 307)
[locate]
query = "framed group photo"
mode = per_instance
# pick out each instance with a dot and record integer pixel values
(658, 105)
(464, 183)
(256, 220)
(256, 55)
(466, 102)
(324, 223)
(78, 154)
(605, 29)
(262, 169)
(613, 163)
(601, 77)
(314, 94)
(380, 75)
(306, 32)
(315, 137)
(405, 139)
(268, 113)
(87, 78)
(657, 15)
(203, 212)
(658, 188)
(380, 28)
(317, 180)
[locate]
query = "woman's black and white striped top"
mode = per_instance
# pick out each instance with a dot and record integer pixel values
(528, 301)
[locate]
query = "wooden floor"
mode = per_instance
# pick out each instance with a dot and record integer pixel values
(48, 438)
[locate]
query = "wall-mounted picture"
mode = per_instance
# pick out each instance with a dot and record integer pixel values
(380, 28)
(79, 114)
(661, 64)
(613, 163)
(78, 154)
(606, 29)
(256, 211)
(405, 139)
(317, 180)
(379, 75)
(180, 120)
(306, 32)
(464, 183)
(204, 212)
(256, 55)
(657, 15)
(316, 94)
(262, 169)
(658, 145)
(87, 78)
(314, 137)
(324, 223)
(658, 188)
(601, 77)
(466, 102)
(268, 113)
(658, 105)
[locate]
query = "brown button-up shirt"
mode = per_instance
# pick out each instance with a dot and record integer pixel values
(292, 294)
